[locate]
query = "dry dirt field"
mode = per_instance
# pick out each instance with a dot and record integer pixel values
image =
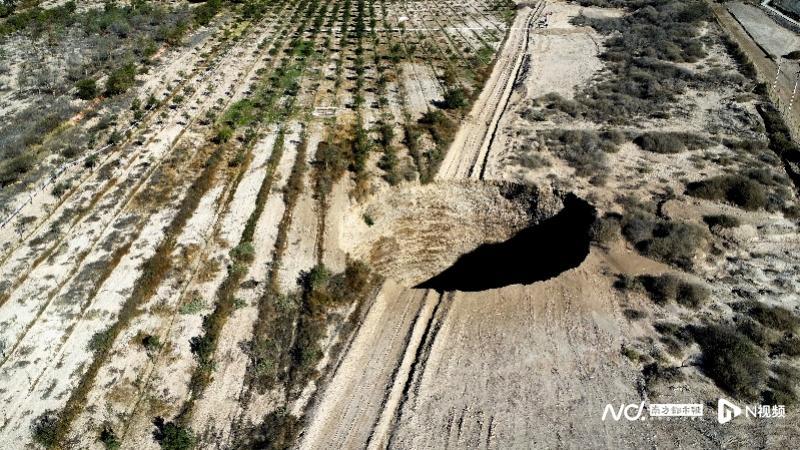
(391, 224)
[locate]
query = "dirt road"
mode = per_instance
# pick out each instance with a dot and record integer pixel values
(765, 66)
(472, 144)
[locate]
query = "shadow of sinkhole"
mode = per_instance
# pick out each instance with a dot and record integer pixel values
(536, 253)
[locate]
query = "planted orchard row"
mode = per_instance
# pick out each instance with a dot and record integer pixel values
(153, 272)
(205, 344)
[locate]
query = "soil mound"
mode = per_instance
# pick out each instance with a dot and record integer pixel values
(411, 234)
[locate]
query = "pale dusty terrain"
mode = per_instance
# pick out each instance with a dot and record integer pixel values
(521, 366)
(533, 366)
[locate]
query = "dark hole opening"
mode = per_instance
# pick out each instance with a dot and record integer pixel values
(537, 253)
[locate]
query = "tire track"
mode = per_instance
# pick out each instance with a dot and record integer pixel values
(470, 148)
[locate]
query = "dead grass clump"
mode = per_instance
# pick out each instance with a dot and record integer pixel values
(15, 168)
(775, 317)
(634, 314)
(674, 242)
(789, 346)
(666, 288)
(657, 373)
(674, 337)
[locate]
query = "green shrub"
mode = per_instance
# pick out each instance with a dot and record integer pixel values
(454, 98)
(193, 306)
(243, 252)
(108, 438)
(60, 189)
(172, 436)
(224, 134)
(205, 12)
(44, 429)
(100, 341)
(731, 360)
(121, 79)
(151, 343)
(7, 7)
(91, 162)
(86, 89)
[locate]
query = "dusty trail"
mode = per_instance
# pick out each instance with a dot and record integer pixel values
(362, 406)
(360, 388)
(470, 148)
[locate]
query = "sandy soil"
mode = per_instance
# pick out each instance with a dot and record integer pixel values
(417, 232)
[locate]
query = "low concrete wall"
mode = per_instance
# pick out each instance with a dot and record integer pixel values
(779, 17)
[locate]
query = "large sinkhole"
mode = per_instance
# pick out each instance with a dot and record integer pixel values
(538, 252)
(469, 236)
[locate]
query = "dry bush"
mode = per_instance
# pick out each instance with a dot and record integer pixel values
(584, 150)
(721, 221)
(731, 360)
(673, 242)
(782, 385)
(736, 189)
(670, 142)
(666, 288)
(605, 230)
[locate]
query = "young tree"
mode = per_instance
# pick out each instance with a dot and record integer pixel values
(87, 89)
